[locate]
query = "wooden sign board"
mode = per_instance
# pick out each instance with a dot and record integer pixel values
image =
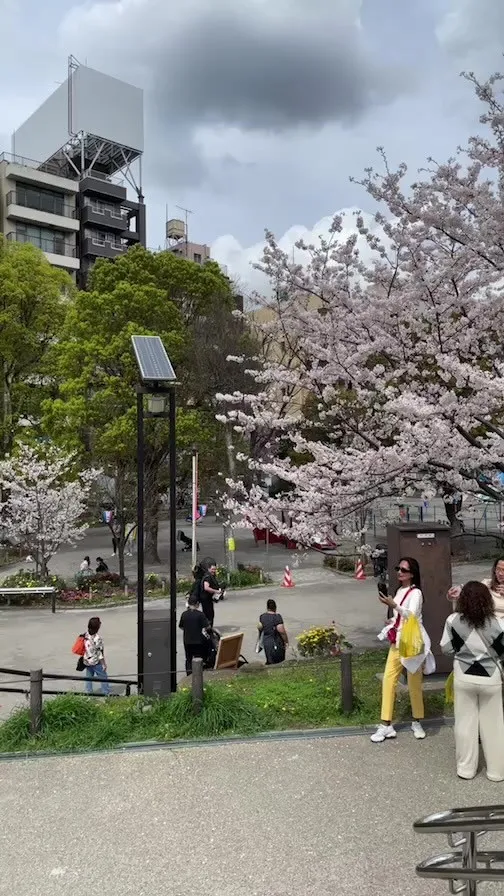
(229, 651)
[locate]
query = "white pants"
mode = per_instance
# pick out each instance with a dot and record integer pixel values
(478, 711)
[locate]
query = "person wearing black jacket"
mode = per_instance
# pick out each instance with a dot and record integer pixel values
(194, 625)
(210, 591)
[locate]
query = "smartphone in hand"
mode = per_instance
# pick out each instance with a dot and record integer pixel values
(382, 589)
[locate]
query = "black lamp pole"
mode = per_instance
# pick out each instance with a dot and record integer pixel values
(173, 542)
(140, 539)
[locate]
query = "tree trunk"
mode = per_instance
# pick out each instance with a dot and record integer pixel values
(452, 508)
(151, 537)
(120, 554)
(151, 508)
(228, 436)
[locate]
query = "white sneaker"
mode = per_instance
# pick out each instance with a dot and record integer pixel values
(418, 731)
(383, 732)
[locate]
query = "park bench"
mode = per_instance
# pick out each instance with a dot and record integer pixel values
(16, 592)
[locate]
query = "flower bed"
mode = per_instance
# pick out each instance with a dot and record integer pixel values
(322, 641)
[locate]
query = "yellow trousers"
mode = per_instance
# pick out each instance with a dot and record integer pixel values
(393, 670)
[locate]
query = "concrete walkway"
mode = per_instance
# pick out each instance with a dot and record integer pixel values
(297, 818)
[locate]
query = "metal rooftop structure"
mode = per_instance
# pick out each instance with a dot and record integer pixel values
(91, 125)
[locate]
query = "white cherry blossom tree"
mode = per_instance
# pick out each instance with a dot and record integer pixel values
(398, 363)
(43, 501)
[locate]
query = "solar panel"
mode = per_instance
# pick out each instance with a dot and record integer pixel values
(153, 362)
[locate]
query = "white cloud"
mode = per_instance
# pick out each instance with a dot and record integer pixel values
(240, 261)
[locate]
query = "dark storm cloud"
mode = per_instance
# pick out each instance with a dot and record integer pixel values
(239, 65)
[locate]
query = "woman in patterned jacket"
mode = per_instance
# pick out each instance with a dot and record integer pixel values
(475, 637)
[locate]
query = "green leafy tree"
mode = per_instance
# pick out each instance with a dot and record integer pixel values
(140, 293)
(33, 301)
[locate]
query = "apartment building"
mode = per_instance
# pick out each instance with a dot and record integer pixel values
(40, 208)
(64, 186)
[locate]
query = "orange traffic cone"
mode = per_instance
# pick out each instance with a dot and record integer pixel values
(287, 579)
(359, 571)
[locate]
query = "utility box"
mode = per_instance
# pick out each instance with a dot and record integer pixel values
(157, 659)
(430, 545)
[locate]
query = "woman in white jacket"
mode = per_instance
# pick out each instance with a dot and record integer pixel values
(407, 602)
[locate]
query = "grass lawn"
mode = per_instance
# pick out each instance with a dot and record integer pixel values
(303, 695)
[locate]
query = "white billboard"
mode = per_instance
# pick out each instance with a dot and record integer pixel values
(100, 105)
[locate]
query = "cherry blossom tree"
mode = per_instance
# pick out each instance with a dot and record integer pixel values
(43, 501)
(396, 364)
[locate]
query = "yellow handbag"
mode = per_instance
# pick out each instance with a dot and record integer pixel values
(449, 693)
(411, 640)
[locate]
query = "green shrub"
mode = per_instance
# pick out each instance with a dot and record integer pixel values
(243, 577)
(98, 580)
(341, 563)
(27, 578)
(154, 582)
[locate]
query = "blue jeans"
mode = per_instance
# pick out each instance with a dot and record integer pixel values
(101, 675)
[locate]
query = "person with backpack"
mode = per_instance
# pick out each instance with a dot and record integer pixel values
(94, 657)
(195, 627)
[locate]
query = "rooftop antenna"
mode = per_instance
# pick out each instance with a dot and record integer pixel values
(188, 212)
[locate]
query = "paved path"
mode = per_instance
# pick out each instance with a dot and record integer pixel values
(35, 638)
(297, 818)
(97, 542)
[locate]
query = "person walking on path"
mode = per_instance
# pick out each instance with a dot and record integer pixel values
(94, 657)
(475, 637)
(194, 625)
(274, 636)
(407, 602)
(210, 591)
(495, 584)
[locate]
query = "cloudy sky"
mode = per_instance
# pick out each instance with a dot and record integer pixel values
(257, 111)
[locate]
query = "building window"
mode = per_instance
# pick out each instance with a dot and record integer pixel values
(43, 238)
(197, 257)
(41, 200)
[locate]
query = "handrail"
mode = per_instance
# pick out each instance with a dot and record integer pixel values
(465, 866)
(470, 818)
(57, 676)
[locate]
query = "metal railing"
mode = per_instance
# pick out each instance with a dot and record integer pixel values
(465, 866)
(55, 246)
(41, 203)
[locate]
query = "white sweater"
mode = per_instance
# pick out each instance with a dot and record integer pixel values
(412, 606)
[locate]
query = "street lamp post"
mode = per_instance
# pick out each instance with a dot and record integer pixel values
(194, 504)
(157, 380)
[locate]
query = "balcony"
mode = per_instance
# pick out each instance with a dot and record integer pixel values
(105, 219)
(42, 210)
(94, 247)
(56, 250)
(105, 189)
(18, 168)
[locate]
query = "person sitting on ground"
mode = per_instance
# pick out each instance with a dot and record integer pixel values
(495, 585)
(101, 566)
(275, 638)
(85, 565)
(194, 625)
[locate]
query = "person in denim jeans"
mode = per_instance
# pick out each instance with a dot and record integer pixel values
(94, 657)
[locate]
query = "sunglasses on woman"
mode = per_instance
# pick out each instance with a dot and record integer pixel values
(402, 569)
